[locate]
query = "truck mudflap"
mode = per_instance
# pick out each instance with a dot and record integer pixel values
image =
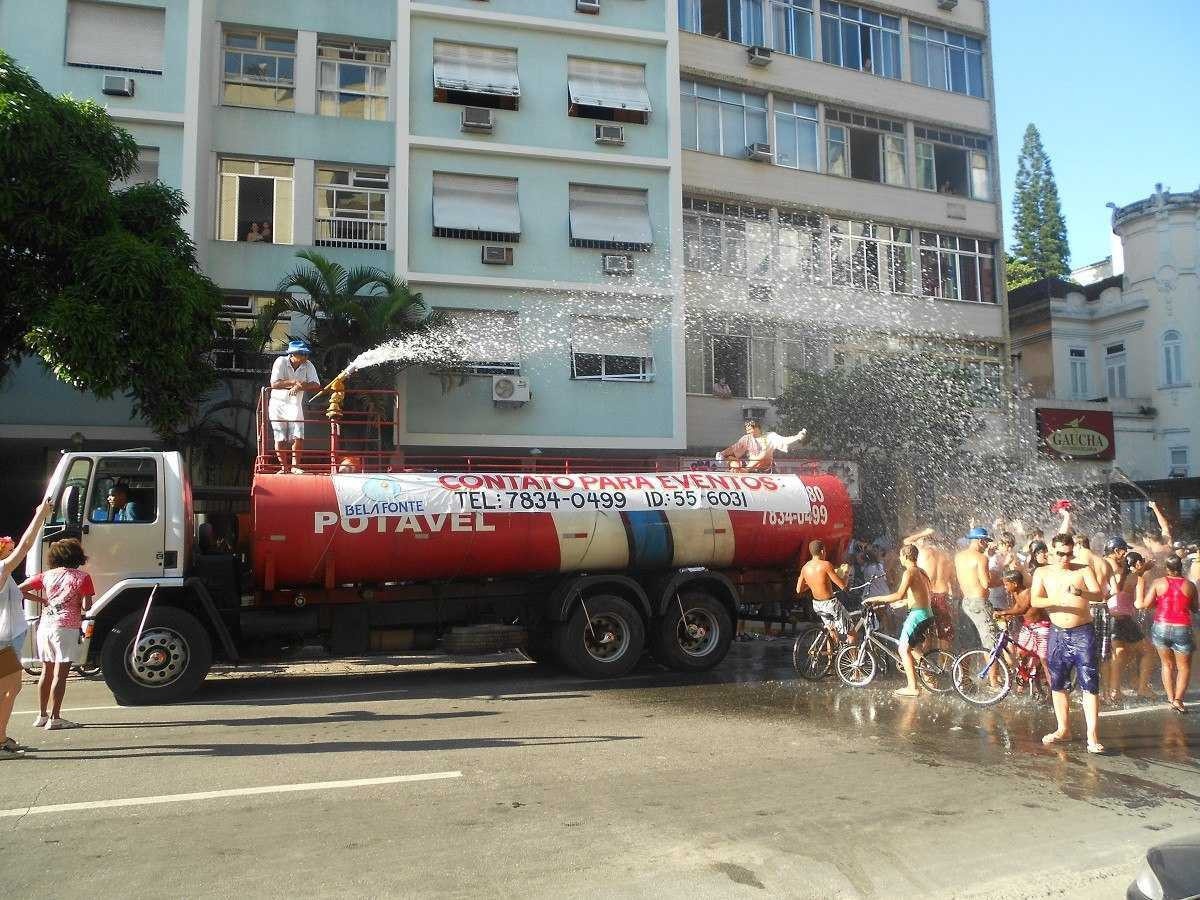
(210, 608)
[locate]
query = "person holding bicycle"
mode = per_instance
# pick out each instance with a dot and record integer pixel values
(1033, 637)
(914, 592)
(820, 578)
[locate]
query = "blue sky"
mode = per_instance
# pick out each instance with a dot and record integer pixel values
(1112, 87)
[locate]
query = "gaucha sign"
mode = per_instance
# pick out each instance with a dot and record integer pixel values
(1084, 434)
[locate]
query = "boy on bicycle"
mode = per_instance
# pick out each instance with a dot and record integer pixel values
(914, 592)
(820, 577)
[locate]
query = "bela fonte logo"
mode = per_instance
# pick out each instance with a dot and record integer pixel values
(1076, 439)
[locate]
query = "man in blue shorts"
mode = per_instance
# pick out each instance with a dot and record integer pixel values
(1064, 589)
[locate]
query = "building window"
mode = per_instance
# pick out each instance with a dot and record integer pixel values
(609, 91)
(799, 247)
(255, 201)
(791, 27)
(239, 346)
(726, 238)
(1172, 343)
(1179, 462)
(738, 354)
(351, 208)
(475, 76)
(476, 207)
(260, 70)
(1136, 514)
(864, 147)
(857, 38)
(946, 59)
(610, 218)
(487, 341)
(721, 120)
(796, 135)
(113, 36)
(870, 257)
(953, 163)
(1078, 364)
(353, 80)
(144, 172)
(957, 268)
(610, 348)
(1189, 512)
(1114, 370)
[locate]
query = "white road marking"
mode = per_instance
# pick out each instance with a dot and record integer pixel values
(1137, 709)
(216, 795)
(244, 701)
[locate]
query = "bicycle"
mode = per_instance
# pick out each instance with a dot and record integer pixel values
(814, 649)
(856, 665)
(972, 672)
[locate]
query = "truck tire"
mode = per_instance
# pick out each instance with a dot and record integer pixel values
(693, 634)
(175, 654)
(609, 645)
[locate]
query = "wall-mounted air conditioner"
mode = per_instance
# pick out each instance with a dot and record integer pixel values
(510, 390)
(613, 135)
(496, 255)
(760, 151)
(591, 7)
(759, 56)
(947, 5)
(478, 119)
(617, 264)
(758, 413)
(760, 293)
(117, 86)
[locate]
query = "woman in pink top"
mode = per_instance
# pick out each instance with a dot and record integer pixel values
(1173, 598)
(67, 594)
(1128, 641)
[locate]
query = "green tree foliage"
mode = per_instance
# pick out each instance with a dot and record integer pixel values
(103, 287)
(1019, 272)
(1039, 229)
(903, 416)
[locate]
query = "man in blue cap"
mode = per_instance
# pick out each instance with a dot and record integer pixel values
(975, 580)
(291, 376)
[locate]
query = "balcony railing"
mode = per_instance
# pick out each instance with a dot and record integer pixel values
(359, 233)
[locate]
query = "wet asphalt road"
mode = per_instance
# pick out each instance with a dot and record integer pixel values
(744, 782)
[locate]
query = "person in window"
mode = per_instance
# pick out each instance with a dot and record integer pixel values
(117, 506)
(291, 376)
(755, 451)
(267, 236)
(721, 389)
(254, 235)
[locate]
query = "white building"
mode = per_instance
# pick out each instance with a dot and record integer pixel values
(1129, 340)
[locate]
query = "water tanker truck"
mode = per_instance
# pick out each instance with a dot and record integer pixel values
(587, 571)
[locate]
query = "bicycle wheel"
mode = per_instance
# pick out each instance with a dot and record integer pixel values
(935, 671)
(855, 665)
(974, 684)
(811, 654)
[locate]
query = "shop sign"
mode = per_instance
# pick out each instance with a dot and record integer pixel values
(1081, 434)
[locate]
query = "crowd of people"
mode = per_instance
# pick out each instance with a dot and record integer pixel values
(1097, 621)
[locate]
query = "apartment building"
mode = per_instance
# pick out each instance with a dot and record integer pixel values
(582, 184)
(841, 194)
(1121, 335)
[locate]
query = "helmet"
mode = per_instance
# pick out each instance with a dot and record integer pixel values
(1113, 544)
(299, 347)
(978, 533)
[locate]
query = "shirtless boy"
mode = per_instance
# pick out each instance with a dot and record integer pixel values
(936, 564)
(1064, 589)
(914, 592)
(975, 580)
(819, 577)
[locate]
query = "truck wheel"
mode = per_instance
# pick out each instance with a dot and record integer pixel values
(171, 660)
(605, 642)
(694, 633)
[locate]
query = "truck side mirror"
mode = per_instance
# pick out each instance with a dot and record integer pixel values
(72, 505)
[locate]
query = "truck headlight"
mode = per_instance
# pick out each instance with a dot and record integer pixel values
(1147, 882)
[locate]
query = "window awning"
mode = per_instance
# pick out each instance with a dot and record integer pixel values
(114, 36)
(476, 204)
(610, 217)
(487, 335)
(481, 70)
(611, 336)
(610, 85)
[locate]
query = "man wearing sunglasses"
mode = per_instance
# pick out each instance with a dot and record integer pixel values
(1064, 589)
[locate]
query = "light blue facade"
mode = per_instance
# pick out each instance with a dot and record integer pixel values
(182, 115)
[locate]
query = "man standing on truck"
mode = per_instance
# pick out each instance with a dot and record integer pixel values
(291, 376)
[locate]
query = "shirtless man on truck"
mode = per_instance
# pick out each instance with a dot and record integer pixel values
(820, 578)
(935, 563)
(1064, 589)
